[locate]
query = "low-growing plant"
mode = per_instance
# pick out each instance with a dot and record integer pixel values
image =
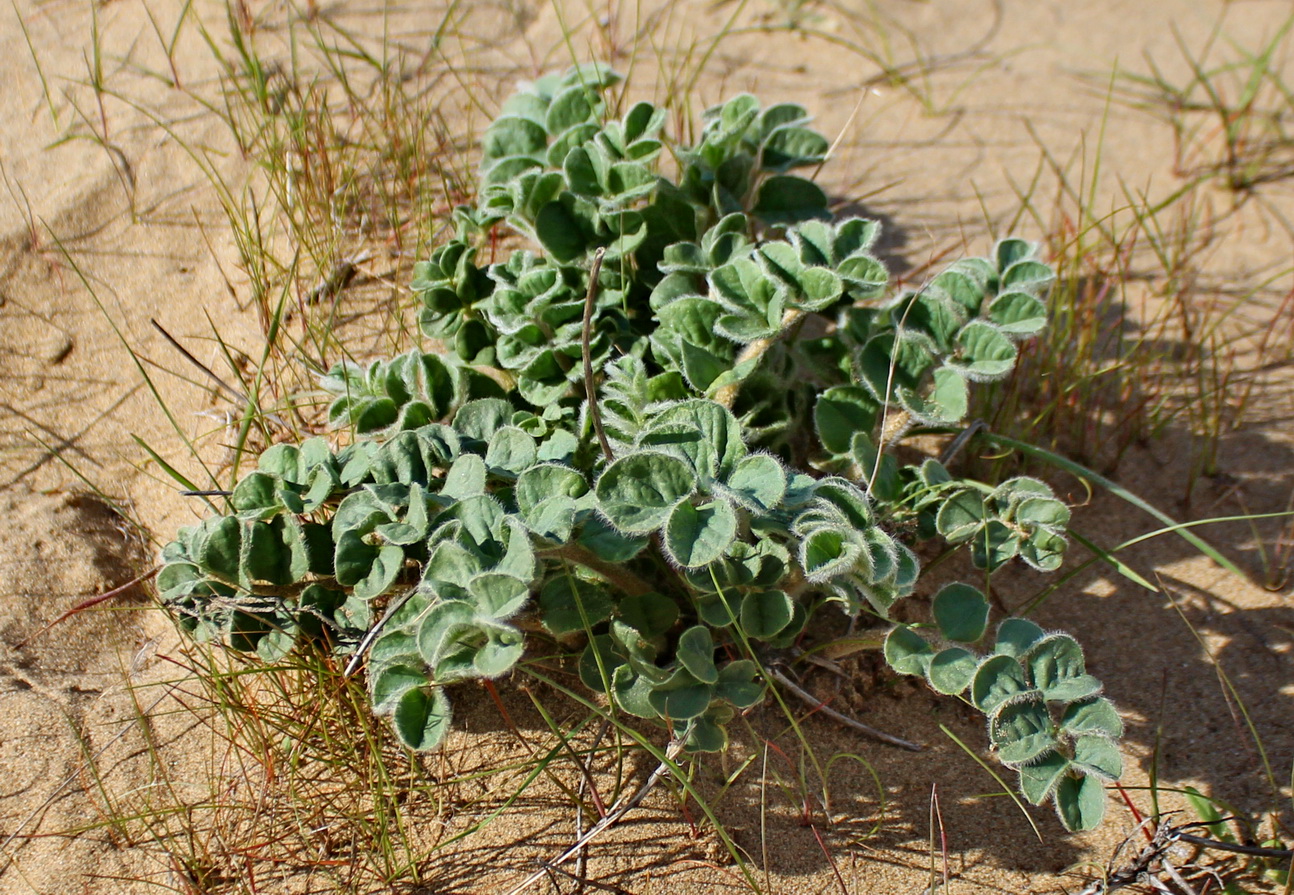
(664, 435)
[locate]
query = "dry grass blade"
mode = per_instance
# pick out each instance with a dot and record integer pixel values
(613, 816)
(91, 602)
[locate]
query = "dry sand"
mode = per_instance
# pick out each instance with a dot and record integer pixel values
(140, 229)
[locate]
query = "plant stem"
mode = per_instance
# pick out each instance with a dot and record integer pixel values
(618, 811)
(616, 575)
(820, 706)
(752, 352)
(589, 389)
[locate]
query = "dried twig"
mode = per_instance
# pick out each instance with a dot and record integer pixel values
(224, 386)
(353, 665)
(820, 706)
(220, 383)
(622, 807)
(1152, 861)
(955, 446)
(1255, 851)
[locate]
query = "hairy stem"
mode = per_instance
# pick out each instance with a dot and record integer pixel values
(589, 388)
(755, 350)
(616, 575)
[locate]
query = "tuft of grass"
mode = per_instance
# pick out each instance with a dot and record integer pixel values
(1143, 340)
(1233, 117)
(1221, 825)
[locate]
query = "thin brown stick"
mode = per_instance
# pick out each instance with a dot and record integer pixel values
(820, 706)
(618, 810)
(358, 658)
(615, 574)
(1255, 851)
(964, 436)
(224, 386)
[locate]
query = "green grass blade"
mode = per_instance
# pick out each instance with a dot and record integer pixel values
(992, 773)
(166, 467)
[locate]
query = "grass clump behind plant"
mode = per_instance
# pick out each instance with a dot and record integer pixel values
(1142, 338)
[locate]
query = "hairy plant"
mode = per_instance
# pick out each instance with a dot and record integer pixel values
(665, 439)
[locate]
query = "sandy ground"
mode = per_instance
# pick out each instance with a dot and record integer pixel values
(98, 715)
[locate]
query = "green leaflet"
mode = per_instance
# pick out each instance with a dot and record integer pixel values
(638, 492)
(421, 717)
(1080, 802)
(961, 612)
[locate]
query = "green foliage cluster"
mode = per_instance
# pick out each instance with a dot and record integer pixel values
(734, 475)
(1046, 717)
